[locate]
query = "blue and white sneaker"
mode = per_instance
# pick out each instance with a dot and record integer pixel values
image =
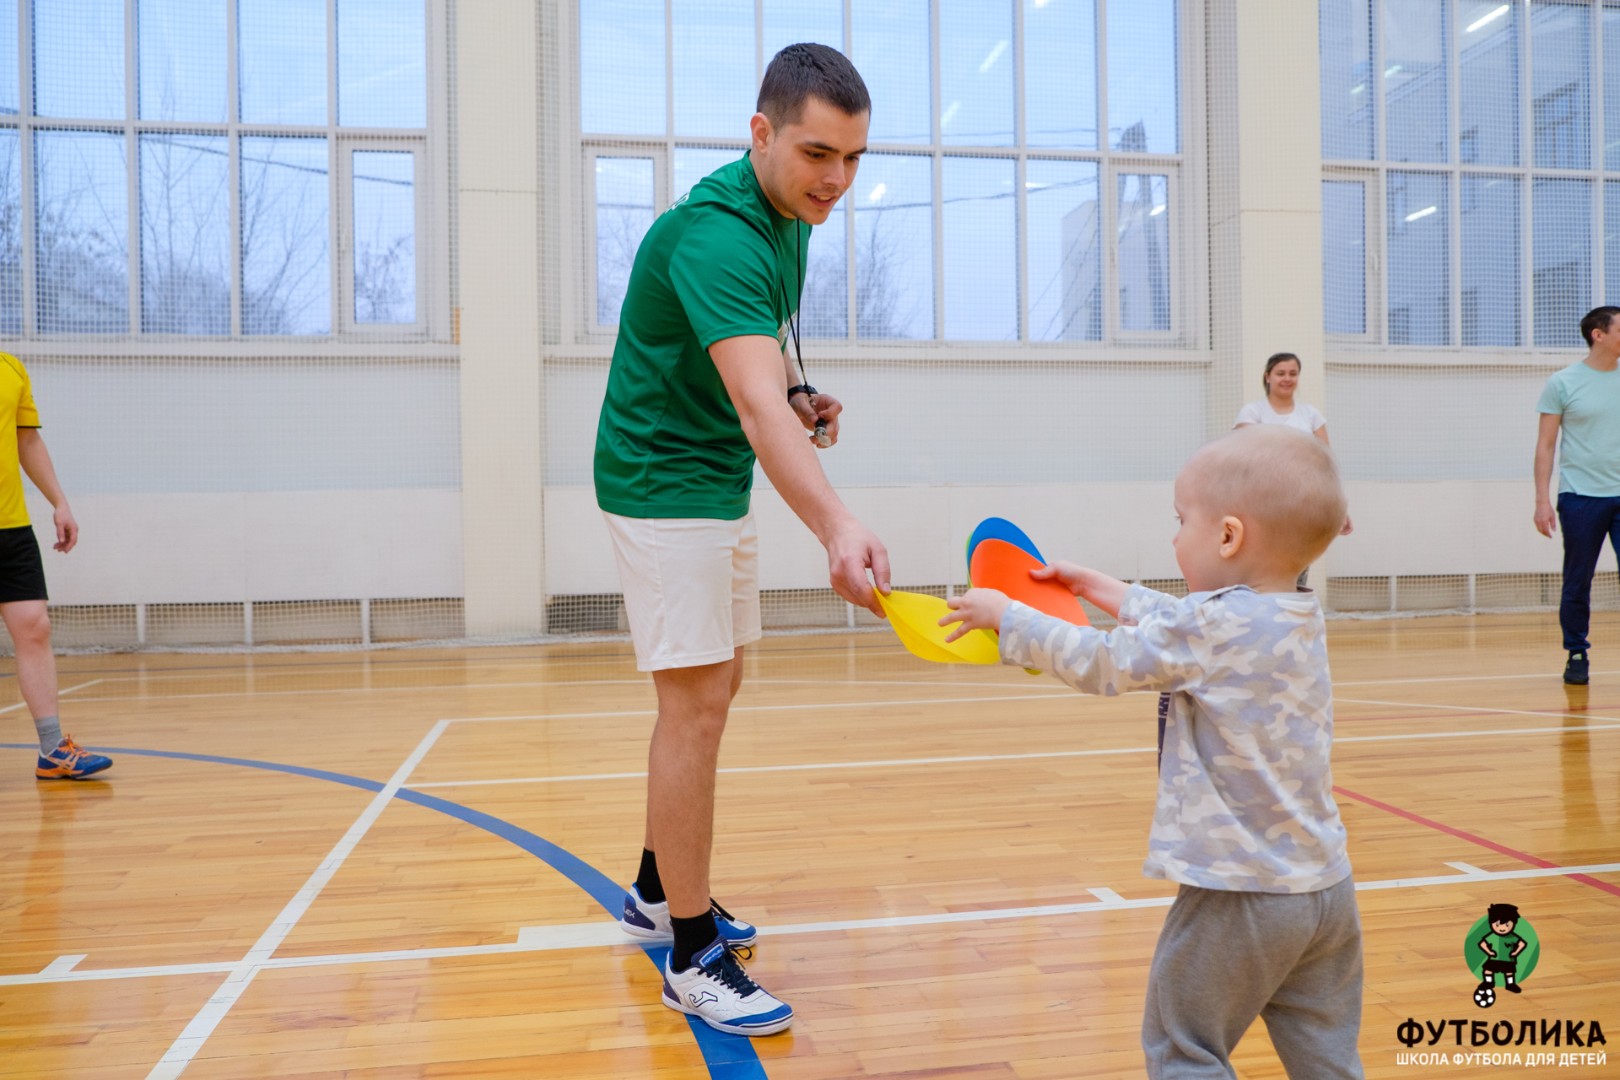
(717, 990)
(650, 922)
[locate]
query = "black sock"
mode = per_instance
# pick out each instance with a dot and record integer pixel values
(647, 883)
(692, 936)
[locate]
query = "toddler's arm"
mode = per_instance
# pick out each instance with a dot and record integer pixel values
(1155, 654)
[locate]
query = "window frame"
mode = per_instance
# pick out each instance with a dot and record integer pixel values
(660, 154)
(1188, 333)
(1375, 171)
(1372, 223)
(348, 243)
(435, 323)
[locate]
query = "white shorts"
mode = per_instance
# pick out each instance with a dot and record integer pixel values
(691, 587)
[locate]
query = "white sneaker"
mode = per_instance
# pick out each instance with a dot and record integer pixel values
(719, 992)
(650, 922)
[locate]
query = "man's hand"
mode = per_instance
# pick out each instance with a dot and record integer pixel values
(67, 529)
(1546, 520)
(851, 551)
(811, 408)
(976, 609)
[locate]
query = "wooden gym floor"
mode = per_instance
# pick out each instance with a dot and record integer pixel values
(397, 864)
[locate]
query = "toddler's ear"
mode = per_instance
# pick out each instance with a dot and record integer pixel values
(1232, 536)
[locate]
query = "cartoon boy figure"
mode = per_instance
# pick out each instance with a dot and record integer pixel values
(1502, 946)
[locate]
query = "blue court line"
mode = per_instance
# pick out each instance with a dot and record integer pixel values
(729, 1057)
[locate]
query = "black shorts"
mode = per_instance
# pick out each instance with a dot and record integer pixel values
(22, 574)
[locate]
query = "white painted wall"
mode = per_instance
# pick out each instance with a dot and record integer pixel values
(226, 547)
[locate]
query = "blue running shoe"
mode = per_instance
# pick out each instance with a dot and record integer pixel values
(650, 922)
(70, 761)
(719, 992)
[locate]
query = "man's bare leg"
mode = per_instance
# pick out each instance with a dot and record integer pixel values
(736, 684)
(692, 707)
(30, 629)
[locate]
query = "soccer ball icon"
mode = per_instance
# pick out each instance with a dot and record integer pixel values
(1484, 995)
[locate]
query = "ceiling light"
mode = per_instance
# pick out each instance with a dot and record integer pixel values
(995, 54)
(1487, 18)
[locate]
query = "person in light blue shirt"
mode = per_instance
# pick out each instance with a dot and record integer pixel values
(1265, 921)
(1582, 402)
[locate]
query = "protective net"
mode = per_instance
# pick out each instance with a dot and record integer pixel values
(318, 296)
(224, 260)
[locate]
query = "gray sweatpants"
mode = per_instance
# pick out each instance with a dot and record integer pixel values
(1224, 958)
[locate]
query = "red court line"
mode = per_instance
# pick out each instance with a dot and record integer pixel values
(1501, 849)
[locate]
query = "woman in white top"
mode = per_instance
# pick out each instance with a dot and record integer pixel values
(1281, 380)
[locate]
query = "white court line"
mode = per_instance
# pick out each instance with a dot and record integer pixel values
(1466, 868)
(242, 973)
(604, 933)
(583, 682)
(1039, 755)
(59, 693)
(797, 707)
(1466, 708)
(1455, 678)
(1484, 734)
(63, 964)
(738, 769)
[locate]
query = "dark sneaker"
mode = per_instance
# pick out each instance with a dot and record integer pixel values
(1513, 988)
(1577, 672)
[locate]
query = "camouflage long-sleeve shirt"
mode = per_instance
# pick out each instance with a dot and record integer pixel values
(1245, 799)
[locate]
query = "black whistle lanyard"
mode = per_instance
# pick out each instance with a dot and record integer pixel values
(819, 437)
(798, 302)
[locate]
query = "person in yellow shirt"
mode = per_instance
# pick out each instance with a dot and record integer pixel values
(22, 574)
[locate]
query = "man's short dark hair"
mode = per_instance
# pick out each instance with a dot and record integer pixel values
(800, 72)
(1597, 319)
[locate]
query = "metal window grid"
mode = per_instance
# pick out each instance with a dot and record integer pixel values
(434, 321)
(1186, 216)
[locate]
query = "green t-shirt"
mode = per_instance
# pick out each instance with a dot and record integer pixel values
(1503, 945)
(718, 264)
(1588, 404)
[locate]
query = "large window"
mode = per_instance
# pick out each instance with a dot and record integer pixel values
(1468, 181)
(144, 192)
(1022, 179)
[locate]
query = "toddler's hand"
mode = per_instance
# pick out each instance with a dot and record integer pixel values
(976, 609)
(1071, 577)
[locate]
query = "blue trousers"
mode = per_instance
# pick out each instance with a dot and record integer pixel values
(1586, 520)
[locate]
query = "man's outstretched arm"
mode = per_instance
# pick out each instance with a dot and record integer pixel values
(751, 367)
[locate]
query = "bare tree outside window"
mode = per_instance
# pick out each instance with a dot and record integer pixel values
(185, 235)
(384, 204)
(286, 285)
(11, 234)
(81, 238)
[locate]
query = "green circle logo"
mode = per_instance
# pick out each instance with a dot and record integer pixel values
(1484, 932)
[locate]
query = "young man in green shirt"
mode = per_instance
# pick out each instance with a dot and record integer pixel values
(1583, 402)
(701, 385)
